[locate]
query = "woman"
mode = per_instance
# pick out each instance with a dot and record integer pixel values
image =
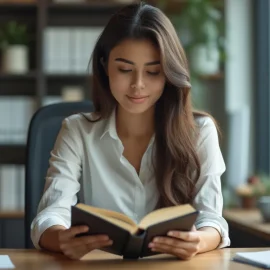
(143, 147)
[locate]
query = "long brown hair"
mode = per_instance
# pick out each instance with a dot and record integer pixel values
(176, 164)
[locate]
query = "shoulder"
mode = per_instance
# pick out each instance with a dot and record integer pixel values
(84, 123)
(206, 129)
(203, 122)
(207, 146)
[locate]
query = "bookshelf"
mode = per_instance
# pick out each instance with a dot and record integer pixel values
(37, 16)
(40, 14)
(36, 84)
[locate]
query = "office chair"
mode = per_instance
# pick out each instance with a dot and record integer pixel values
(42, 133)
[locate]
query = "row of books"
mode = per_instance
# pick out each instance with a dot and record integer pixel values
(12, 181)
(69, 49)
(15, 117)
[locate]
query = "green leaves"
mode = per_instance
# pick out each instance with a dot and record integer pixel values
(203, 20)
(13, 33)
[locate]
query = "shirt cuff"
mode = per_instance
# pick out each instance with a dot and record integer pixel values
(42, 226)
(225, 240)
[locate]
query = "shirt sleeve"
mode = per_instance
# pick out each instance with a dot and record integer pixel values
(62, 184)
(208, 195)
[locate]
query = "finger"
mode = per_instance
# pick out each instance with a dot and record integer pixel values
(72, 232)
(191, 236)
(166, 240)
(178, 252)
(193, 229)
(189, 247)
(98, 245)
(79, 251)
(85, 240)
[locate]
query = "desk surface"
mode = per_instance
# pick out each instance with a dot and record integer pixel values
(217, 259)
(249, 220)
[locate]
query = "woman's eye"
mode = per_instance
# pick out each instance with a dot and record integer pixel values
(153, 73)
(125, 70)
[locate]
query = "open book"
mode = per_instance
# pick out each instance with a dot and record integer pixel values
(129, 239)
(258, 258)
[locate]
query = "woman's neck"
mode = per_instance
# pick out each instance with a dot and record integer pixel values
(130, 125)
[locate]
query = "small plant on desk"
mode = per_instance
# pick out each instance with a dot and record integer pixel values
(257, 186)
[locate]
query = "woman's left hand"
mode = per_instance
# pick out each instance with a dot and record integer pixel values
(183, 245)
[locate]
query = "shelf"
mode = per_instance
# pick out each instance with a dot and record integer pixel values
(18, 84)
(27, 76)
(21, 12)
(11, 6)
(59, 76)
(12, 154)
(11, 214)
(95, 5)
(83, 14)
(94, 13)
(56, 82)
(213, 77)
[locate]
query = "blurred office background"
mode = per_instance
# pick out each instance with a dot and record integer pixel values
(45, 50)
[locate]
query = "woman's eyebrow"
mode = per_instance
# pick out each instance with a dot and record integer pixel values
(132, 63)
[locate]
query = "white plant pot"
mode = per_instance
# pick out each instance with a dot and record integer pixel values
(15, 59)
(204, 60)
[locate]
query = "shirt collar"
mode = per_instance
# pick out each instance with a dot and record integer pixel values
(110, 127)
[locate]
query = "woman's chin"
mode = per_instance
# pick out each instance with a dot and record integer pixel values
(135, 109)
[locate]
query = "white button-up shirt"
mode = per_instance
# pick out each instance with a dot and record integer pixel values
(87, 162)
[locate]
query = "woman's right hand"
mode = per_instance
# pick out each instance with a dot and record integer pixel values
(76, 247)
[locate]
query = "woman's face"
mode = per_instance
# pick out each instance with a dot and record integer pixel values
(135, 74)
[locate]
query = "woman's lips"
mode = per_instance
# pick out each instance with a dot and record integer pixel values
(137, 100)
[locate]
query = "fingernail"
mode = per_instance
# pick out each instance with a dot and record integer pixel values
(110, 242)
(86, 228)
(105, 238)
(170, 233)
(150, 245)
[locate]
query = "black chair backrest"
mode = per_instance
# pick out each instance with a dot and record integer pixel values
(42, 133)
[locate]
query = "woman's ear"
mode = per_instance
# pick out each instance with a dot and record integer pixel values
(104, 64)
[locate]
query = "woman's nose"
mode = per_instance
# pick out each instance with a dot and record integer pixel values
(138, 82)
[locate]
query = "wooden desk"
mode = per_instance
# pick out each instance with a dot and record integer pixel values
(248, 222)
(97, 260)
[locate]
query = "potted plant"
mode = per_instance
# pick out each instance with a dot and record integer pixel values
(15, 49)
(263, 202)
(257, 186)
(201, 24)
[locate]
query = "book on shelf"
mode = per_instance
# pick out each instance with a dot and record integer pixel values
(130, 239)
(12, 182)
(15, 117)
(68, 50)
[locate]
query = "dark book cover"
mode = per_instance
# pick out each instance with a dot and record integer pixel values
(98, 225)
(182, 223)
(130, 246)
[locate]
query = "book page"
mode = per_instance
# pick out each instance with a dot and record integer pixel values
(5, 262)
(164, 214)
(260, 257)
(116, 218)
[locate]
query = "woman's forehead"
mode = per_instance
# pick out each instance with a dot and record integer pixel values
(135, 50)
